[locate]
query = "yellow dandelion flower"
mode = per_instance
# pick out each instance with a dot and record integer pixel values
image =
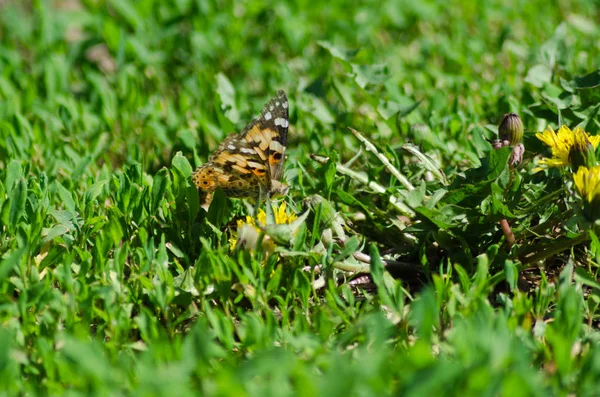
(281, 217)
(563, 142)
(587, 183)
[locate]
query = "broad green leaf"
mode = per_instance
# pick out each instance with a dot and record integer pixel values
(538, 75)
(17, 198)
(435, 216)
(159, 186)
(65, 197)
(182, 165)
(14, 172)
(218, 210)
(498, 162)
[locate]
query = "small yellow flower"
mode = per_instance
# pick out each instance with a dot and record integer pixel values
(562, 143)
(587, 183)
(281, 217)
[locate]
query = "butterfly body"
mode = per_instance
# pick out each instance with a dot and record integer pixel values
(250, 164)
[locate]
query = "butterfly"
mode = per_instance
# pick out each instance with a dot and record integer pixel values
(250, 164)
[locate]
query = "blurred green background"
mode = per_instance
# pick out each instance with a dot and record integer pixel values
(110, 284)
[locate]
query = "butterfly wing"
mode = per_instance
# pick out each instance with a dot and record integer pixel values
(244, 164)
(235, 167)
(268, 133)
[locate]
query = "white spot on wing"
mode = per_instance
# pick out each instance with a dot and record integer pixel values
(285, 105)
(277, 103)
(276, 146)
(268, 116)
(271, 108)
(247, 150)
(281, 122)
(255, 165)
(231, 147)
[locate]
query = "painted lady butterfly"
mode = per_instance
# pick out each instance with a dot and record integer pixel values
(250, 164)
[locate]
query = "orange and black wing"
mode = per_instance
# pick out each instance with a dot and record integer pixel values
(244, 164)
(268, 133)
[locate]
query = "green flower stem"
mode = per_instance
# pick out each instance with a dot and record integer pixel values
(508, 233)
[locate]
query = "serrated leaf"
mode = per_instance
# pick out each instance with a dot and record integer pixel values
(498, 206)
(435, 216)
(498, 162)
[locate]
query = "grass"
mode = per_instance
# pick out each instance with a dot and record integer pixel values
(113, 280)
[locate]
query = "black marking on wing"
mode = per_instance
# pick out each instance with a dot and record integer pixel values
(275, 109)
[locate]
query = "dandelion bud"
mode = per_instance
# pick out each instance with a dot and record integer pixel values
(582, 153)
(511, 129)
